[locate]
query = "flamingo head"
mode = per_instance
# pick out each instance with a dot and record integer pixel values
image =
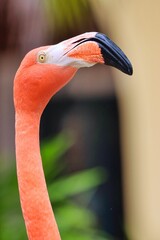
(47, 69)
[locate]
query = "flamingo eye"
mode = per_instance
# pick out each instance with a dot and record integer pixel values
(42, 57)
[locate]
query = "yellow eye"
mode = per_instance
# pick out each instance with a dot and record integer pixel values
(42, 57)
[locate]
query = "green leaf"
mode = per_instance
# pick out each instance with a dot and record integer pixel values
(71, 216)
(76, 183)
(53, 150)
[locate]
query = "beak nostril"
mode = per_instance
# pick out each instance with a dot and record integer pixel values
(79, 40)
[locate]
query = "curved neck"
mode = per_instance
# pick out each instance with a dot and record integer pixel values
(35, 203)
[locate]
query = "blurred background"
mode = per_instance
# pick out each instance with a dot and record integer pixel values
(100, 135)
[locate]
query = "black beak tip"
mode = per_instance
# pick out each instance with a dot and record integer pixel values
(130, 70)
(113, 55)
(126, 67)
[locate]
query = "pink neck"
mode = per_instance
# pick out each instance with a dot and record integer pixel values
(35, 203)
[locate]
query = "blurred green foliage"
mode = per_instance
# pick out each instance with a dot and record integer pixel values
(68, 18)
(70, 196)
(63, 12)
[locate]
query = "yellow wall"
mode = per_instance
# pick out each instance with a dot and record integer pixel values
(135, 27)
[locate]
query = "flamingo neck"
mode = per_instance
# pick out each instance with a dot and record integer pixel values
(36, 207)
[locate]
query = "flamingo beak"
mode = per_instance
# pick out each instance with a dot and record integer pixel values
(100, 49)
(113, 55)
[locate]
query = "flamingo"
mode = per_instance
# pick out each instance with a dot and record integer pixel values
(43, 72)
